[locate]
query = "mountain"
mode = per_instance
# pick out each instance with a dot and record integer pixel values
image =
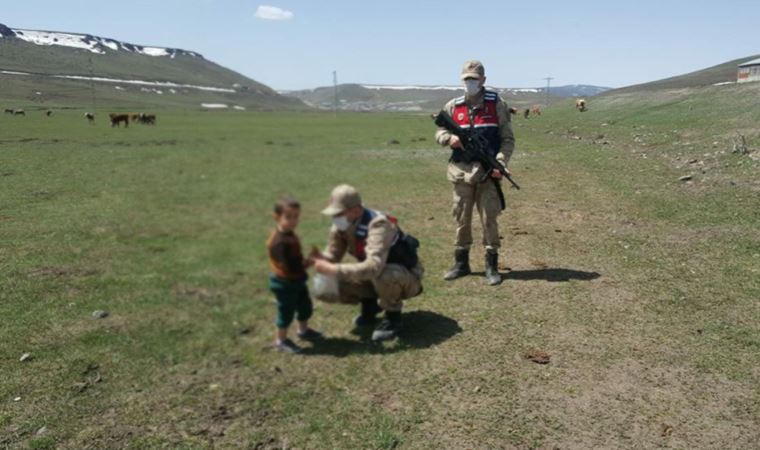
(368, 97)
(65, 69)
(721, 73)
(577, 90)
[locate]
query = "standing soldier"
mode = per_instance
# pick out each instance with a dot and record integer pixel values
(387, 270)
(481, 110)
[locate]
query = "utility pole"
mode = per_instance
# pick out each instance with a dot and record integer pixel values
(548, 86)
(335, 89)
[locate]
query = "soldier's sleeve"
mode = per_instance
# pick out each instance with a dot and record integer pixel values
(336, 246)
(442, 136)
(379, 239)
(505, 133)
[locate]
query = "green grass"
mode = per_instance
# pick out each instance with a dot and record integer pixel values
(642, 288)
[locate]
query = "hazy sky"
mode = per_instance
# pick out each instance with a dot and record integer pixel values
(295, 44)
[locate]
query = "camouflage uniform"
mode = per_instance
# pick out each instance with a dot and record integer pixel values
(372, 277)
(469, 191)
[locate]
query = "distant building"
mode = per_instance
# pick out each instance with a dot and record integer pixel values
(749, 71)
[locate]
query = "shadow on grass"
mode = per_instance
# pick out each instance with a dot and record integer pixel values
(422, 329)
(556, 274)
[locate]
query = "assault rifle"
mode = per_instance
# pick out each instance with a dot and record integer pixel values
(475, 146)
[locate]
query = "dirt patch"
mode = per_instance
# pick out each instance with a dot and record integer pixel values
(538, 356)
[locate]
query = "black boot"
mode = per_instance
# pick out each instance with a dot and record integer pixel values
(368, 315)
(461, 265)
(492, 269)
(388, 328)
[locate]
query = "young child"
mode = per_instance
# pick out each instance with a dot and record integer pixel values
(288, 278)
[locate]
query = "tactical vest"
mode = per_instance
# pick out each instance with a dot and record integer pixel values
(403, 249)
(485, 121)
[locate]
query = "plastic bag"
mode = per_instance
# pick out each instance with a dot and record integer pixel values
(325, 287)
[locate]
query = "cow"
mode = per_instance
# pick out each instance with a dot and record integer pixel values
(48, 113)
(148, 119)
(90, 118)
(19, 112)
(535, 110)
(580, 104)
(134, 117)
(116, 120)
(512, 110)
(9, 111)
(526, 113)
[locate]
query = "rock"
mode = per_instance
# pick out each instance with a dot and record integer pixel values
(100, 314)
(25, 357)
(393, 142)
(693, 161)
(41, 431)
(685, 178)
(17, 399)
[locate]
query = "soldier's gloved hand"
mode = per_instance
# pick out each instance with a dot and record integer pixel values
(455, 143)
(496, 174)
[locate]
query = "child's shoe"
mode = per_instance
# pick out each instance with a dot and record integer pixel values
(310, 335)
(287, 346)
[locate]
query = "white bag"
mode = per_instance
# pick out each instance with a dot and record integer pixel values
(325, 287)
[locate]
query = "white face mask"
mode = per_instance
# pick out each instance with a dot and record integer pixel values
(341, 223)
(471, 87)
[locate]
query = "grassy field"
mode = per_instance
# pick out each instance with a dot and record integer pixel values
(641, 288)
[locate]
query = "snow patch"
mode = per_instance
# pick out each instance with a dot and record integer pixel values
(214, 105)
(94, 44)
(239, 108)
(10, 72)
(724, 83)
(411, 87)
(165, 84)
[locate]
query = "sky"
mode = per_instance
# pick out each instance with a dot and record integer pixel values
(297, 44)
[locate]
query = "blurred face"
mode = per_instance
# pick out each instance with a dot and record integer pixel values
(473, 85)
(344, 220)
(288, 219)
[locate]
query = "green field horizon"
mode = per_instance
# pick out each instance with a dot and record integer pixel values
(631, 257)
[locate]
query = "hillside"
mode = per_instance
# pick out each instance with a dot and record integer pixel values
(68, 68)
(721, 73)
(366, 97)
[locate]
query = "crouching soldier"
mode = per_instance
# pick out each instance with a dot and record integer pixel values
(387, 270)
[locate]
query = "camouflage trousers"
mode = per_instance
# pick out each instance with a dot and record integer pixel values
(395, 284)
(485, 198)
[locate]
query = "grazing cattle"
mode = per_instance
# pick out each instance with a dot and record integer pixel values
(535, 110)
(512, 110)
(9, 111)
(116, 120)
(19, 112)
(134, 117)
(526, 113)
(48, 113)
(580, 104)
(148, 119)
(90, 117)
